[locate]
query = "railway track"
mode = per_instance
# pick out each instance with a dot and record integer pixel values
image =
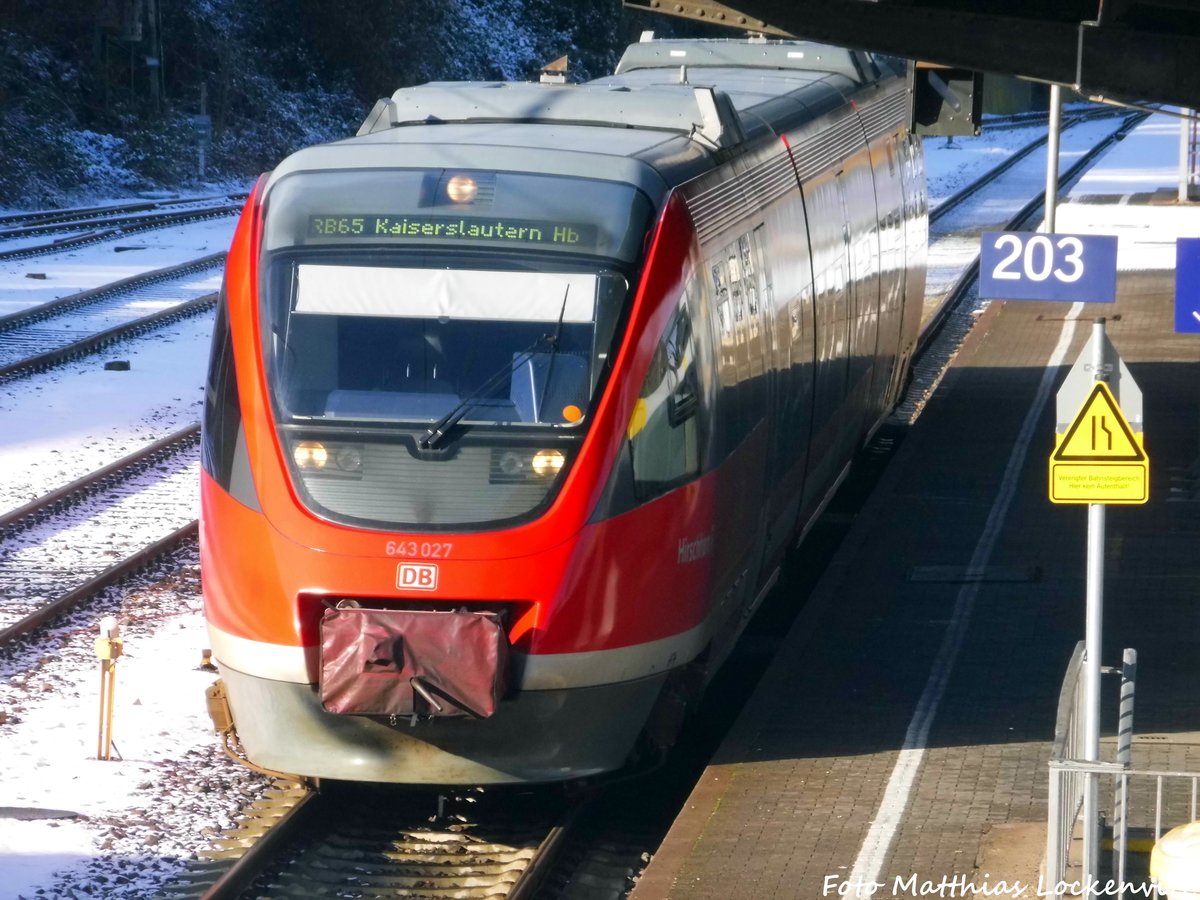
(952, 224)
(87, 213)
(106, 227)
(57, 552)
(43, 336)
(959, 197)
(367, 841)
(1042, 117)
(945, 324)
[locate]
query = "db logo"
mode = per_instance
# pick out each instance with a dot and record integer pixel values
(417, 577)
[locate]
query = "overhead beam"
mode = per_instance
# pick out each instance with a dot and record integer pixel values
(1121, 60)
(712, 13)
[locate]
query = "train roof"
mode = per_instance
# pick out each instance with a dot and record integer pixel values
(663, 121)
(794, 56)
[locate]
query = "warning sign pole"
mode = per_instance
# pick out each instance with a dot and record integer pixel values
(1099, 458)
(1093, 631)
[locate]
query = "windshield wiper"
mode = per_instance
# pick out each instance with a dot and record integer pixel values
(439, 429)
(553, 353)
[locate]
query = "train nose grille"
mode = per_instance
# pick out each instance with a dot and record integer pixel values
(391, 487)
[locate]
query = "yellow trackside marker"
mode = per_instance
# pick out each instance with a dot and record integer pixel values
(1099, 458)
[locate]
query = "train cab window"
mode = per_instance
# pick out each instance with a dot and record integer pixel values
(405, 344)
(663, 431)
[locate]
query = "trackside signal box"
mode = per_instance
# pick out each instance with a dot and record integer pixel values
(946, 101)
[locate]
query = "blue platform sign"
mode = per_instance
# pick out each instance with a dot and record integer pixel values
(1023, 265)
(1187, 285)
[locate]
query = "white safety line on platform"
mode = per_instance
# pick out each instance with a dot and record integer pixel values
(863, 879)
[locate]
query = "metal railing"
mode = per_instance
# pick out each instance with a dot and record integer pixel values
(1144, 801)
(1066, 781)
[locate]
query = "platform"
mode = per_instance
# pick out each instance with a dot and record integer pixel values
(901, 735)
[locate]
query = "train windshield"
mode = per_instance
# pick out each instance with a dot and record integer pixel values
(440, 383)
(392, 343)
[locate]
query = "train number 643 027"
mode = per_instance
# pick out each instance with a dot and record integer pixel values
(419, 549)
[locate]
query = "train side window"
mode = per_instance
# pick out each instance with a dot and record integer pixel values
(721, 298)
(749, 274)
(222, 412)
(733, 262)
(663, 431)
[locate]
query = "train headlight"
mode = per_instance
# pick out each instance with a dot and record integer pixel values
(310, 455)
(461, 189)
(349, 459)
(547, 462)
(511, 464)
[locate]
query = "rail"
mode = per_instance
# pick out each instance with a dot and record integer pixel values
(102, 339)
(123, 228)
(94, 585)
(84, 298)
(88, 484)
(356, 844)
(78, 491)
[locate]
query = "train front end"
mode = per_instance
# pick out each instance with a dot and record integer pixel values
(412, 415)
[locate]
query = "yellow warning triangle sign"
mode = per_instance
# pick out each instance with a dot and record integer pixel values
(1099, 432)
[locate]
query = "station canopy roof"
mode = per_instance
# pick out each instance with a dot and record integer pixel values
(1118, 49)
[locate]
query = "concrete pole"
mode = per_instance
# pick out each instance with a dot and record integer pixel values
(1052, 157)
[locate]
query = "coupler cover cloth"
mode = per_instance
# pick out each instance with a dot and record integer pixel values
(388, 662)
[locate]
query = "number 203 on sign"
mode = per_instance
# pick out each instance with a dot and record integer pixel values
(1019, 265)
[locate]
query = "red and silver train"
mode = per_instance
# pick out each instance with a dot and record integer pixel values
(518, 398)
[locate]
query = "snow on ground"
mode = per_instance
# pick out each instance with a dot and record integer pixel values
(1147, 160)
(66, 422)
(63, 423)
(953, 164)
(1145, 163)
(145, 812)
(39, 279)
(55, 427)
(72, 825)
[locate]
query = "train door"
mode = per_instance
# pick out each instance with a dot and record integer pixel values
(857, 190)
(738, 287)
(915, 236)
(850, 413)
(889, 191)
(737, 390)
(869, 257)
(829, 237)
(760, 341)
(778, 513)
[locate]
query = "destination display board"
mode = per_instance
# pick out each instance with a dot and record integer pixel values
(498, 230)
